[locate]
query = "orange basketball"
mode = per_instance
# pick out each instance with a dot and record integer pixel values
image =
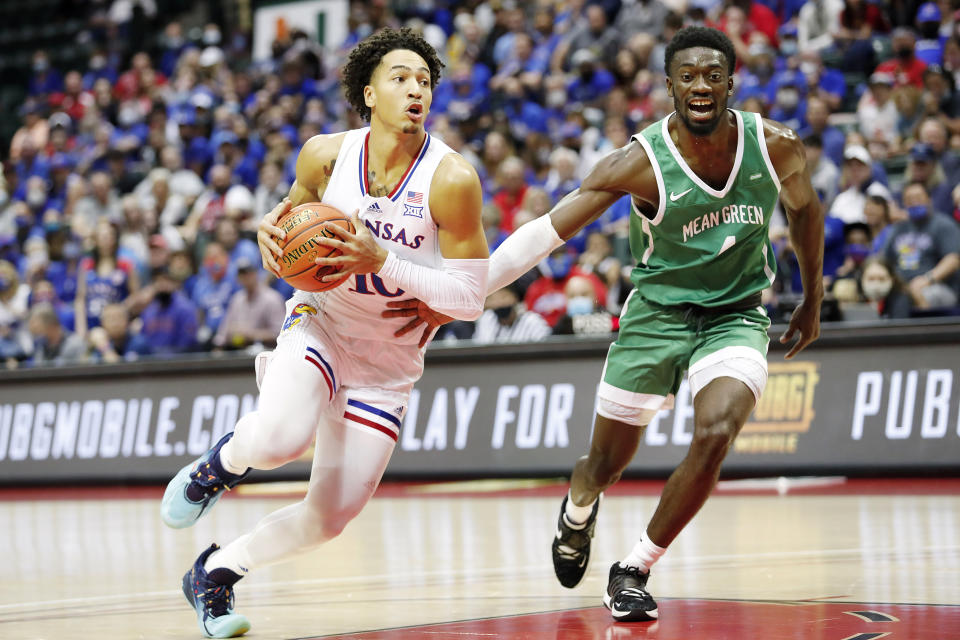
(303, 224)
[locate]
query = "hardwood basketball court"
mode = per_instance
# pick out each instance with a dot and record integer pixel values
(825, 559)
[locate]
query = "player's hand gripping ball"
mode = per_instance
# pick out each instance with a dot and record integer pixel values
(303, 224)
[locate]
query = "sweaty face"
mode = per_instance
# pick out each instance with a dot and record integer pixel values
(399, 93)
(699, 83)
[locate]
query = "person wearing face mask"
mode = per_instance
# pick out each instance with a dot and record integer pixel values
(925, 251)
(546, 294)
(45, 78)
(905, 67)
(170, 320)
(583, 317)
(506, 320)
(213, 288)
(99, 67)
(789, 106)
(856, 248)
(882, 287)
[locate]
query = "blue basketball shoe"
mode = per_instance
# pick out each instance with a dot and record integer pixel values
(197, 487)
(213, 599)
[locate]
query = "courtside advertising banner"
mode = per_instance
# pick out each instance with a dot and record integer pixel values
(838, 410)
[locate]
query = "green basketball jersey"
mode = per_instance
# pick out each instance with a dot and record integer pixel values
(706, 247)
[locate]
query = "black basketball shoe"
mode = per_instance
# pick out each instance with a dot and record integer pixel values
(571, 546)
(626, 595)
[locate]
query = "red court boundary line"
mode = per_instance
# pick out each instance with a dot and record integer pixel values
(422, 490)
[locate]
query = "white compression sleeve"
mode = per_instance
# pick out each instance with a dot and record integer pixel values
(522, 249)
(457, 289)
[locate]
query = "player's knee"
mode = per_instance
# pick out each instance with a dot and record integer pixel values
(603, 468)
(712, 440)
(326, 523)
(282, 438)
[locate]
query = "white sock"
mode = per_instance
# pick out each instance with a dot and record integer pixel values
(577, 515)
(227, 463)
(234, 557)
(645, 553)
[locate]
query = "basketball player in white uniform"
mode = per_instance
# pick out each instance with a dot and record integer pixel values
(338, 373)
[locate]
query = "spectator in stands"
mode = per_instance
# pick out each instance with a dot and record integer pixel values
(824, 174)
(596, 36)
(253, 314)
(882, 287)
(45, 78)
(505, 320)
(929, 49)
(168, 208)
(857, 184)
(212, 290)
(102, 203)
(877, 112)
(789, 105)
(34, 127)
(490, 218)
(104, 278)
(183, 182)
(170, 319)
(876, 212)
(924, 168)
(905, 68)
(115, 340)
(939, 93)
(859, 21)
(817, 22)
(238, 248)
(925, 251)
(590, 80)
(856, 247)
(934, 132)
(43, 292)
(209, 207)
(52, 344)
(511, 188)
(562, 178)
(584, 315)
(271, 188)
(14, 297)
(545, 295)
(831, 138)
(641, 16)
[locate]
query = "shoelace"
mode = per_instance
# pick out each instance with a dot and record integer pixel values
(208, 481)
(217, 600)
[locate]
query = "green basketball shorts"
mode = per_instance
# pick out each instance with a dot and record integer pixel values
(657, 344)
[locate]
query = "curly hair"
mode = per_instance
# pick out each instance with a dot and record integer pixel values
(706, 37)
(367, 55)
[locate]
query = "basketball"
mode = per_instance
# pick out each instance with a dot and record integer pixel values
(303, 224)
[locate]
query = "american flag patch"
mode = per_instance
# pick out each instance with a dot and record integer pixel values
(414, 197)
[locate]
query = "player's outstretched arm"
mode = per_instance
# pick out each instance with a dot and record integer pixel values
(314, 167)
(625, 170)
(805, 215)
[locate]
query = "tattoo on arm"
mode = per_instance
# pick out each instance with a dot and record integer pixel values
(327, 172)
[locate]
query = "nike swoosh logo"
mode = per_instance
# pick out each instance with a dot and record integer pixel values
(676, 196)
(750, 322)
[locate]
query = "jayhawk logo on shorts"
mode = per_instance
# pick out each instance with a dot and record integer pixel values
(296, 315)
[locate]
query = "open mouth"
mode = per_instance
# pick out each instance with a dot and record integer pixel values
(415, 111)
(700, 107)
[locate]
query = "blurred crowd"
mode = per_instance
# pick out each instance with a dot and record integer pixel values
(131, 191)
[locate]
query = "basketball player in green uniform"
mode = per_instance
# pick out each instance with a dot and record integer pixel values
(704, 183)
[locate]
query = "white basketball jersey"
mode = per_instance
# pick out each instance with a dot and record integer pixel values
(401, 223)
